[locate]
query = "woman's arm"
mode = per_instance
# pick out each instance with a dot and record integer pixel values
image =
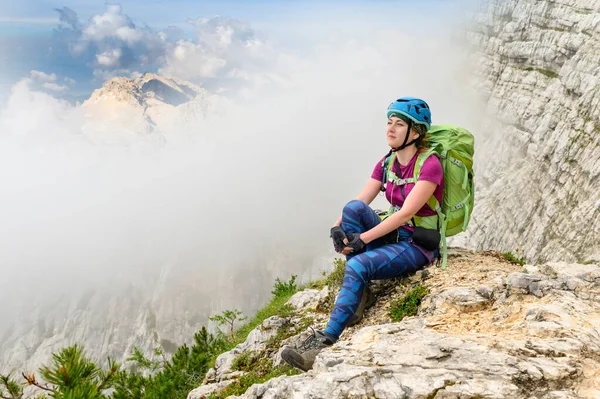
(417, 197)
(367, 195)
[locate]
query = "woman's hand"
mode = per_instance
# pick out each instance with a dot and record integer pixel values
(353, 244)
(338, 236)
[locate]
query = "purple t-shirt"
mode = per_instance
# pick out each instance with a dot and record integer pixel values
(431, 171)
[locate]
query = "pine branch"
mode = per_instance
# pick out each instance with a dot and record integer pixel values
(31, 381)
(113, 368)
(11, 386)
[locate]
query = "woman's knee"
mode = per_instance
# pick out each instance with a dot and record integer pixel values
(355, 206)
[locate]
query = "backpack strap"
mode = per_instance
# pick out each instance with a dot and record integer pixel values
(389, 175)
(433, 202)
(388, 160)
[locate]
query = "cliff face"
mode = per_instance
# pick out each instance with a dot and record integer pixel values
(158, 310)
(106, 320)
(539, 160)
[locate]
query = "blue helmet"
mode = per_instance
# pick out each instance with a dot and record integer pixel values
(414, 108)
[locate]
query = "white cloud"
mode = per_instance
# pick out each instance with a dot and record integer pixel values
(39, 79)
(70, 81)
(189, 61)
(225, 53)
(113, 40)
(103, 75)
(109, 58)
(42, 77)
(105, 26)
(129, 35)
(55, 87)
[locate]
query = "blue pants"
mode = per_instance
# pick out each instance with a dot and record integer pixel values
(376, 262)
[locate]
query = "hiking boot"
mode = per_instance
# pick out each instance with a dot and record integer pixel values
(367, 300)
(304, 356)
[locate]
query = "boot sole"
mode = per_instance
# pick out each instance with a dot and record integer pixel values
(290, 359)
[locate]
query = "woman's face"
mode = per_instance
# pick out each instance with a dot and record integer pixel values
(396, 132)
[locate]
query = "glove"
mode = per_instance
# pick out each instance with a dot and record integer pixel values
(338, 235)
(355, 242)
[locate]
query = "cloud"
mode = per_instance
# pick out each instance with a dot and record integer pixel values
(68, 16)
(189, 61)
(110, 41)
(107, 74)
(42, 77)
(41, 80)
(55, 87)
(109, 58)
(224, 53)
(111, 25)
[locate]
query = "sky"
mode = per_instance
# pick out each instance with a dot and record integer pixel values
(81, 43)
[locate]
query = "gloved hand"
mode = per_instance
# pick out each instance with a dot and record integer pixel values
(338, 235)
(355, 242)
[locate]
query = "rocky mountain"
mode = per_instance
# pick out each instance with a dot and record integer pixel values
(161, 310)
(538, 159)
(145, 104)
(487, 328)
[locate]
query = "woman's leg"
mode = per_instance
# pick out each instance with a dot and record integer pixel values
(358, 217)
(389, 261)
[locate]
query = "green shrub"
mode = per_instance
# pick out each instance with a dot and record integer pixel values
(408, 305)
(334, 281)
(512, 258)
(9, 387)
(244, 361)
(261, 371)
(228, 318)
(546, 72)
(284, 289)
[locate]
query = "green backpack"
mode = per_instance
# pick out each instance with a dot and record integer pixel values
(454, 146)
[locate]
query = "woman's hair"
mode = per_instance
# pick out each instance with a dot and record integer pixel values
(421, 142)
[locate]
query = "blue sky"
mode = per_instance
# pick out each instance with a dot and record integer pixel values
(76, 62)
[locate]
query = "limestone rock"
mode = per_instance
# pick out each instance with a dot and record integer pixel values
(460, 300)
(537, 157)
(539, 339)
(307, 299)
(255, 342)
(203, 391)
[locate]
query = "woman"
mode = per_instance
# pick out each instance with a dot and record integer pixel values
(361, 235)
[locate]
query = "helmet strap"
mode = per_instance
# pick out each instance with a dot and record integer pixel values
(405, 144)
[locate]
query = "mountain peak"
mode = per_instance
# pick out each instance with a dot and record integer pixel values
(138, 104)
(168, 91)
